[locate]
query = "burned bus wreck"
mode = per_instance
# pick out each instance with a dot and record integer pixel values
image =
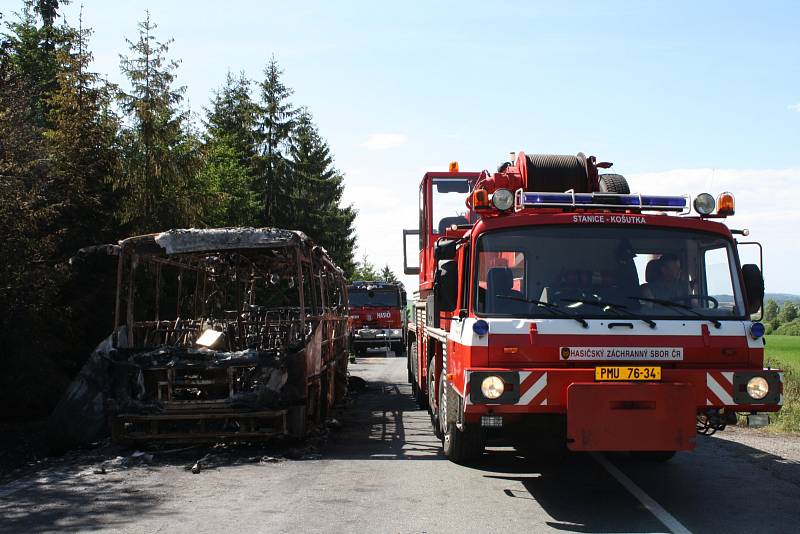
(236, 333)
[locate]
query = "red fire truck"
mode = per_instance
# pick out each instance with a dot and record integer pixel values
(377, 316)
(555, 307)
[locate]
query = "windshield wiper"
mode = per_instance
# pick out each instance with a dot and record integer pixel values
(671, 304)
(621, 310)
(548, 306)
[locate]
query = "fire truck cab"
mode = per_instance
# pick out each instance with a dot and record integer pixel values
(557, 308)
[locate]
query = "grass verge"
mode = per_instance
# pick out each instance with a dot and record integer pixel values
(783, 349)
(788, 419)
(784, 352)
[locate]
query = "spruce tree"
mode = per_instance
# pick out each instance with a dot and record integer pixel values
(364, 270)
(161, 155)
(228, 182)
(82, 139)
(232, 117)
(229, 155)
(34, 39)
(316, 194)
(276, 120)
(388, 275)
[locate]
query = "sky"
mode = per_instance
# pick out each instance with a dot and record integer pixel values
(683, 97)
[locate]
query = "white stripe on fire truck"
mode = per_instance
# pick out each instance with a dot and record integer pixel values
(534, 390)
(462, 332)
(718, 390)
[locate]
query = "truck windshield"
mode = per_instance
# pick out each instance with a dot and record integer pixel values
(606, 271)
(373, 297)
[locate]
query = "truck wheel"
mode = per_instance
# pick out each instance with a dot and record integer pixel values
(614, 183)
(460, 446)
(653, 457)
(398, 349)
(432, 408)
(411, 351)
(419, 395)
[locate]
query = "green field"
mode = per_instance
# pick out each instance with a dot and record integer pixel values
(783, 349)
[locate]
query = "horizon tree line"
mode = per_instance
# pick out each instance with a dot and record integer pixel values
(84, 161)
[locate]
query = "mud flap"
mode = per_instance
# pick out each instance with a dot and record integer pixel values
(630, 417)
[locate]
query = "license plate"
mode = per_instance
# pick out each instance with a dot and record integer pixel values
(608, 373)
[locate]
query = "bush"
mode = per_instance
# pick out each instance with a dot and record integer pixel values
(788, 419)
(788, 329)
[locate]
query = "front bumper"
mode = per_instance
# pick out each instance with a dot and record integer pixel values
(619, 415)
(376, 337)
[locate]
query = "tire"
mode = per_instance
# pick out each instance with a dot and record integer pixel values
(297, 421)
(419, 395)
(614, 183)
(460, 446)
(432, 407)
(653, 457)
(408, 363)
(755, 280)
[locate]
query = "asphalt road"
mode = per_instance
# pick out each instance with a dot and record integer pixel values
(383, 471)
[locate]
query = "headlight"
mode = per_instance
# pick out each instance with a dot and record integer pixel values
(704, 204)
(397, 332)
(757, 387)
(492, 387)
(503, 199)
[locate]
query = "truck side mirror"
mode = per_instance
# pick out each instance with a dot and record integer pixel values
(409, 269)
(446, 286)
(445, 249)
(753, 287)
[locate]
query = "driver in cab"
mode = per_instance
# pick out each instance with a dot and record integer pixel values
(665, 281)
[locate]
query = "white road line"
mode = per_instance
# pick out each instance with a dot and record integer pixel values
(656, 509)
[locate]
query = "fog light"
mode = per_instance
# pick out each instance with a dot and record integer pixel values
(503, 199)
(492, 387)
(757, 387)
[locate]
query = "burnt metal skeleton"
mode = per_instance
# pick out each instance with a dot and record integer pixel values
(233, 333)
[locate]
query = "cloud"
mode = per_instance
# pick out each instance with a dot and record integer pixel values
(385, 141)
(765, 204)
(795, 107)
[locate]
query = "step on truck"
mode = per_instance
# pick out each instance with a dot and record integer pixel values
(377, 315)
(555, 307)
(220, 334)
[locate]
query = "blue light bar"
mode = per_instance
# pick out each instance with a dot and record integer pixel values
(525, 199)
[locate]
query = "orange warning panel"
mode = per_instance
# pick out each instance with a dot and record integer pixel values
(625, 416)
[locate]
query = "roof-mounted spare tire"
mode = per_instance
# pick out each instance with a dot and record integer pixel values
(555, 173)
(614, 183)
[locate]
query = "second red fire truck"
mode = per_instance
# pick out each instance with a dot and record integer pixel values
(554, 306)
(377, 310)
